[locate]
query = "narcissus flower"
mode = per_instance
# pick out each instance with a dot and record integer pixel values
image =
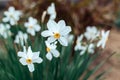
(4, 30)
(78, 43)
(32, 26)
(12, 16)
(91, 48)
(51, 50)
(104, 38)
(57, 31)
(51, 11)
(91, 33)
(82, 47)
(28, 58)
(21, 38)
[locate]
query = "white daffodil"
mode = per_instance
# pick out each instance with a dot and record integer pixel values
(28, 58)
(78, 43)
(91, 33)
(51, 11)
(57, 31)
(83, 49)
(104, 38)
(5, 30)
(12, 16)
(91, 48)
(21, 38)
(32, 26)
(51, 50)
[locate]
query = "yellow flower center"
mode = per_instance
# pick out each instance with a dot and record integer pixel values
(30, 26)
(11, 15)
(56, 35)
(48, 49)
(29, 61)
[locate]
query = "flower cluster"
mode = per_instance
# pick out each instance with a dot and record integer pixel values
(32, 26)
(12, 16)
(5, 30)
(92, 35)
(56, 33)
(21, 38)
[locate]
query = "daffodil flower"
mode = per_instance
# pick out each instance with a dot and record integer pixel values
(91, 48)
(104, 38)
(51, 50)
(32, 26)
(78, 43)
(12, 16)
(28, 58)
(91, 33)
(51, 11)
(21, 38)
(80, 46)
(57, 31)
(5, 30)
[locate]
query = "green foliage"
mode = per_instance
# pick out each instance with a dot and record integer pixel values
(66, 67)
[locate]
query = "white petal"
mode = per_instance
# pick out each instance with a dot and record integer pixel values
(63, 41)
(22, 54)
(66, 30)
(12, 22)
(31, 67)
(29, 53)
(37, 28)
(49, 56)
(46, 33)
(31, 31)
(99, 43)
(23, 61)
(35, 55)
(52, 25)
(103, 45)
(53, 16)
(51, 9)
(51, 39)
(55, 53)
(6, 19)
(11, 9)
(37, 60)
(62, 23)
(82, 52)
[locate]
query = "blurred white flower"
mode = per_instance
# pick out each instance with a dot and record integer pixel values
(51, 50)
(51, 11)
(28, 58)
(70, 38)
(104, 38)
(5, 30)
(83, 49)
(78, 43)
(80, 46)
(32, 26)
(21, 38)
(91, 48)
(57, 31)
(12, 16)
(91, 33)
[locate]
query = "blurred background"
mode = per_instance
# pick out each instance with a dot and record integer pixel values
(79, 14)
